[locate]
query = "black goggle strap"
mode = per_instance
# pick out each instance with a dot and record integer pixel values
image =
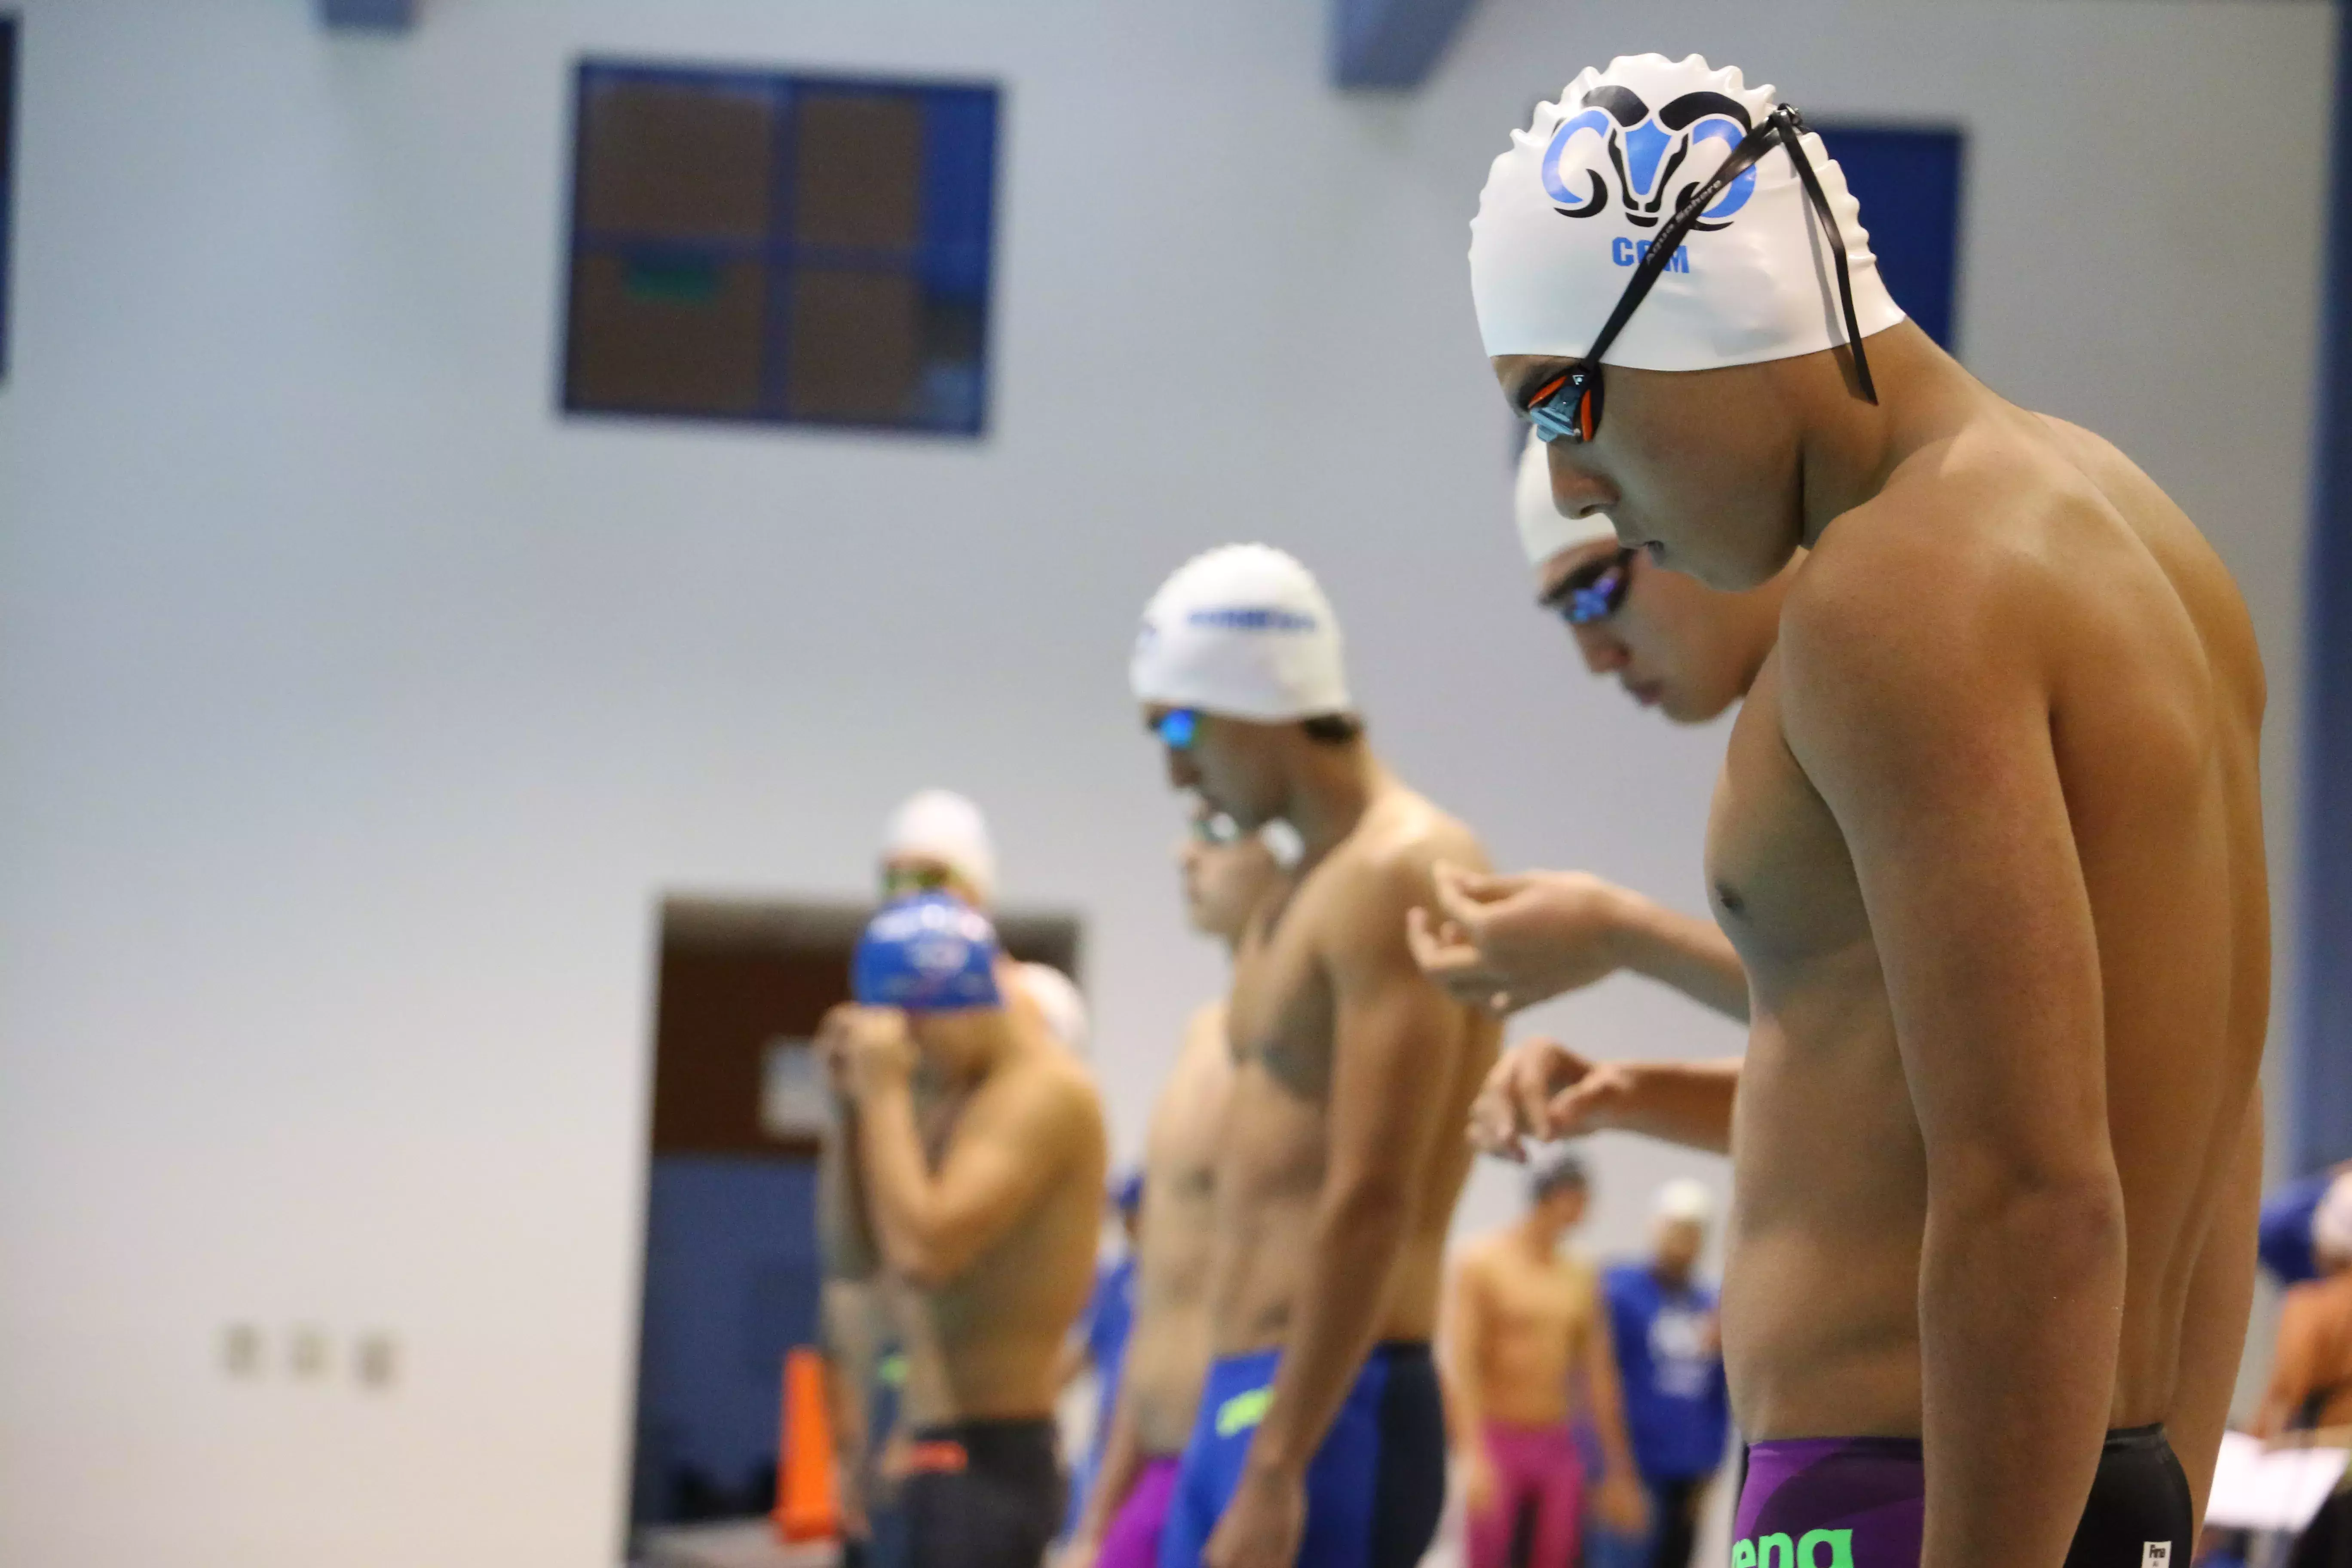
(1783, 125)
(1794, 139)
(1674, 230)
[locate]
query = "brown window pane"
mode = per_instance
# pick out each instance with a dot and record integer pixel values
(858, 167)
(676, 161)
(855, 341)
(683, 336)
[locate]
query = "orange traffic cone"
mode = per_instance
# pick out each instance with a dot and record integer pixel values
(807, 1507)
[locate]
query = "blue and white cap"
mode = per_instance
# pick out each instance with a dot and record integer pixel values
(1567, 212)
(929, 953)
(1244, 631)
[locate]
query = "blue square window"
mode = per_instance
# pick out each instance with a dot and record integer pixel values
(781, 248)
(1908, 180)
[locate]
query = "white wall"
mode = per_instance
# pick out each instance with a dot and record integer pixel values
(355, 709)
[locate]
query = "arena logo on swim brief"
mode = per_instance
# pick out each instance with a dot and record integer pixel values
(1244, 1411)
(1777, 1551)
(1251, 618)
(1647, 148)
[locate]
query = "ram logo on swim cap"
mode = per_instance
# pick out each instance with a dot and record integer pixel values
(926, 953)
(1647, 149)
(1613, 157)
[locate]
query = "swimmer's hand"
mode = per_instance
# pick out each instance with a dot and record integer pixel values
(1621, 1505)
(1504, 943)
(1263, 1524)
(1474, 1474)
(1541, 1090)
(872, 1046)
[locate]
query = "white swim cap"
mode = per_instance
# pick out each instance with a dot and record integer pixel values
(942, 826)
(1684, 1198)
(1244, 632)
(1543, 531)
(2331, 1225)
(1057, 995)
(1566, 212)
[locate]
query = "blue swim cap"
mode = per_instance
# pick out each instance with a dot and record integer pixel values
(929, 953)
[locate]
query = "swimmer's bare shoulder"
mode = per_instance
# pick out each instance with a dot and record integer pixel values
(1388, 865)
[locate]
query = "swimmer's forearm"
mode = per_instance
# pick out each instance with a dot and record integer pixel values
(2213, 1321)
(1681, 1102)
(2020, 1302)
(1692, 956)
(890, 1158)
(1122, 1457)
(1343, 1287)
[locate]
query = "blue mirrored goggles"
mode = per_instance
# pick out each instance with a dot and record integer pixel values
(1594, 591)
(1177, 728)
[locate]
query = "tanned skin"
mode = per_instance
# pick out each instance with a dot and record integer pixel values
(1988, 842)
(1167, 1349)
(983, 1207)
(1337, 1172)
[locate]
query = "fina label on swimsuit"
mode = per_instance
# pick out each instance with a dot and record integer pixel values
(2155, 1554)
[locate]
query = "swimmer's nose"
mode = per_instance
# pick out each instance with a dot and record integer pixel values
(1575, 493)
(1603, 654)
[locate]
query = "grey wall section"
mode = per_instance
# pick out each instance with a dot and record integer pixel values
(355, 709)
(2322, 1127)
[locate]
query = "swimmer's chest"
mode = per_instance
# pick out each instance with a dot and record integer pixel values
(1281, 1017)
(1552, 1296)
(1780, 877)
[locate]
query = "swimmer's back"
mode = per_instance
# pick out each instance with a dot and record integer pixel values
(2074, 561)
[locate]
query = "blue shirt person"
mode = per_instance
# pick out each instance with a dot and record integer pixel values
(1670, 1365)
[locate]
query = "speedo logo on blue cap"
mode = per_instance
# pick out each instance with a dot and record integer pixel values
(928, 953)
(1251, 618)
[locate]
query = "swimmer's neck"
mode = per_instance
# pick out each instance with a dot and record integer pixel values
(1331, 787)
(1539, 1235)
(1849, 448)
(997, 1040)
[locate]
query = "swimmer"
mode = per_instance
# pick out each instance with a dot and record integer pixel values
(1522, 1319)
(984, 1206)
(1509, 942)
(1988, 840)
(1321, 1435)
(1227, 874)
(936, 841)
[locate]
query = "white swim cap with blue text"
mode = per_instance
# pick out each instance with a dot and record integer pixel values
(1244, 631)
(1568, 212)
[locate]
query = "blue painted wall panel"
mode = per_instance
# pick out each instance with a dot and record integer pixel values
(1909, 179)
(2320, 1079)
(731, 1278)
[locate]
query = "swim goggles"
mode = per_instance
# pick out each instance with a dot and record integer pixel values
(1567, 406)
(1177, 726)
(1217, 828)
(904, 881)
(1594, 591)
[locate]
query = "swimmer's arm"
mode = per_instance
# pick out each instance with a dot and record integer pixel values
(1460, 1336)
(1122, 1458)
(846, 1314)
(1924, 722)
(2213, 1321)
(1383, 1124)
(1604, 1393)
(1015, 1140)
(2293, 1363)
(1692, 956)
